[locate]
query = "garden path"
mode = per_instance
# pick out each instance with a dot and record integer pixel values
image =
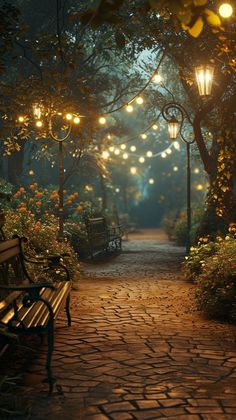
(138, 348)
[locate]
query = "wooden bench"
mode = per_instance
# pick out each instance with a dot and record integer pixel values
(28, 307)
(101, 236)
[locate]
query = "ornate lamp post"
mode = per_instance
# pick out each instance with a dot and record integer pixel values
(51, 119)
(175, 128)
(204, 77)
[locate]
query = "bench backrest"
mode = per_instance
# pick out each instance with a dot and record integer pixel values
(9, 249)
(12, 269)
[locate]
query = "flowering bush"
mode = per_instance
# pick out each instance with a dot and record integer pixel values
(42, 237)
(213, 266)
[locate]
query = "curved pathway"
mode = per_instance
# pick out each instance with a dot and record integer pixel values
(138, 348)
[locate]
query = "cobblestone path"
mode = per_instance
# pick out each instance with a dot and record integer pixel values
(138, 348)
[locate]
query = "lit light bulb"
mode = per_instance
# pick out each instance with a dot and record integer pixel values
(125, 156)
(123, 146)
(76, 120)
(133, 170)
(151, 181)
(129, 108)
(111, 148)
(109, 137)
(21, 118)
(105, 154)
(157, 78)
(117, 151)
(199, 187)
(143, 136)
(133, 149)
(69, 117)
(175, 168)
(39, 124)
(155, 126)
(102, 120)
(141, 159)
(139, 100)
(117, 190)
(176, 145)
(225, 10)
(169, 151)
(163, 155)
(196, 171)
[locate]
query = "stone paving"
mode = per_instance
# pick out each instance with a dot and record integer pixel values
(137, 348)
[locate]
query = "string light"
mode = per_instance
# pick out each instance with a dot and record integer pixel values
(196, 171)
(149, 153)
(175, 168)
(69, 117)
(39, 124)
(163, 155)
(133, 149)
(199, 187)
(141, 159)
(123, 146)
(117, 152)
(151, 181)
(157, 78)
(129, 108)
(176, 145)
(76, 120)
(139, 100)
(21, 118)
(117, 190)
(105, 154)
(169, 151)
(143, 136)
(102, 120)
(133, 170)
(125, 156)
(155, 126)
(109, 137)
(111, 148)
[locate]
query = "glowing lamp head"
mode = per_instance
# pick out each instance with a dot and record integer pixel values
(69, 116)
(76, 120)
(204, 76)
(173, 128)
(37, 111)
(21, 119)
(139, 100)
(129, 108)
(102, 120)
(225, 10)
(39, 124)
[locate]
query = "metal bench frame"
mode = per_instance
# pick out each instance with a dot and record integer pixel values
(25, 294)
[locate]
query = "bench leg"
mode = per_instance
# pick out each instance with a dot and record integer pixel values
(50, 378)
(68, 310)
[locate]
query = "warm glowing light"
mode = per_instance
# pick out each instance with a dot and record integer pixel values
(204, 76)
(143, 136)
(125, 156)
(123, 146)
(173, 128)
(196, 171)
(176, 145)
(141, 159)
(76, 120)
(157, 78)
(69, 117)
(169, 151)
(105, 154)
(102, 120)
(155, 126)
(133, 170)
(109, 137)
(151, 181)
(129, 108)
(175, 168)
(37, 111)
(225, 10)
(31, 172)
(199, 187)
(21, 118)
(117, 190)
(139, 100)
(111, 148)
(39, 124)
(163, 155)
(149, 153)
(117, 152)
(133, 149)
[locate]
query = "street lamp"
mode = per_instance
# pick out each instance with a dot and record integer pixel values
(71, 119)
(175, 128)
(204, 76)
